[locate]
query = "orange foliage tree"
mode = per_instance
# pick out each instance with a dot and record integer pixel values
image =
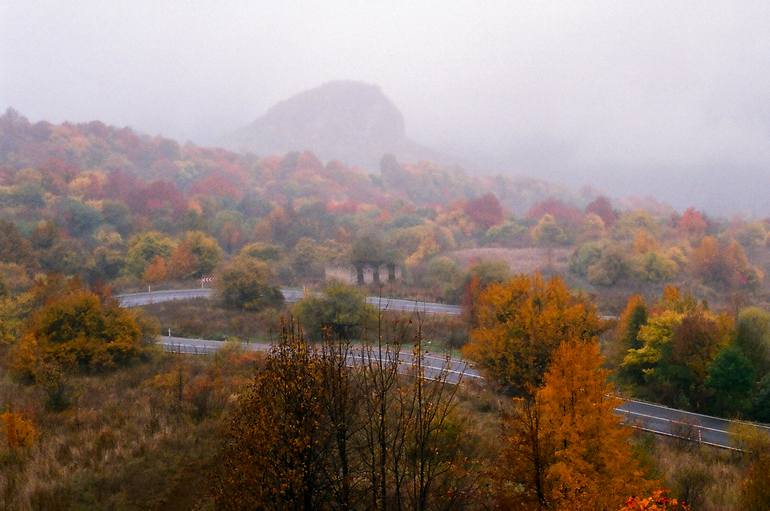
(182, 262)
(520, 324)
(724, 264)
(156, 271)
(19, 431)
(565, 447)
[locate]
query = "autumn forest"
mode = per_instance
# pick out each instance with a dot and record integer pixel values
(551, 307)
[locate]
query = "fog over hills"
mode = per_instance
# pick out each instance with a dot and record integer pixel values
(341, 120)
(668, 99)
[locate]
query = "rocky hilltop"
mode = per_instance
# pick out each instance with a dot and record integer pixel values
(345, 120)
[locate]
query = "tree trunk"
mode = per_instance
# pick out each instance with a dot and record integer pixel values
(391, 272)
(376, 273)
(360, 274)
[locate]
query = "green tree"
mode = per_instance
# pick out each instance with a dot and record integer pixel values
(752, 335)
(505, 234)
(307, 260)
(205, 249)
(340, 308)
(117, 214)
(13, 248)
(80, 219)
(248, 284)
(144, 248)
(730, 378)
(654, 267)
(678, 345)
(610, 268)
(760, 402)
(109, 256)
(440, 276)
(626, 336)
(585, 256)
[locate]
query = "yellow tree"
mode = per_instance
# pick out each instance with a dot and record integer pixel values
(626, 335)
(76, 330)
(520, 324)
(567, 442)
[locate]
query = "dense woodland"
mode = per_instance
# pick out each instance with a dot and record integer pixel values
(569, 298)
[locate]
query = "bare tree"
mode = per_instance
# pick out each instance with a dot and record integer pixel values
(341, 402)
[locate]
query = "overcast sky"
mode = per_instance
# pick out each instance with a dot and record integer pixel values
(629, 96)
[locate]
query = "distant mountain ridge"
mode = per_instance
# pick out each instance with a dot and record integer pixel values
(341, 120)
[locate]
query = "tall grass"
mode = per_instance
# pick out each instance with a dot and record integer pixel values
(143, 437)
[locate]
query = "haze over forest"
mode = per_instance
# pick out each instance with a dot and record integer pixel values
(452, 256)
(654, 99)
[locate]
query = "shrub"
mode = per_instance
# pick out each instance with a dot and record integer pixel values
(75, 330)
(248, 284)
(340, 308)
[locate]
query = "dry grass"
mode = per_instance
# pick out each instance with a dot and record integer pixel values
(206, 319)
(520, 260)
(709, 479)
(134, 439)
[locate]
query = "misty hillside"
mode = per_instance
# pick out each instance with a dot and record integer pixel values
(343, 120)
(111, 153)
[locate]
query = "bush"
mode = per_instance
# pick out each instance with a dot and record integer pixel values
(340, 308)
(584, 256)
(609, 269)
(654, 267)
(76, 331)
(248, 284)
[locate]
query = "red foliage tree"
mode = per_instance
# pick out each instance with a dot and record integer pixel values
(692, 224)
(485, 211)
(601, 206)
(562, 212)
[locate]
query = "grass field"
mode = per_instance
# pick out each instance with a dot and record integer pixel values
(520, 260)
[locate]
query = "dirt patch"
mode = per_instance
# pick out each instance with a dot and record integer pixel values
(520, 260)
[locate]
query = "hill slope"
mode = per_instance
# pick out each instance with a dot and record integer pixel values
(344, 120)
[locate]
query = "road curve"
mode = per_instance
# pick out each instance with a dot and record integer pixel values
(433, 364)
(672, 422)
(291, 295)
(641, 415)
(650, 417)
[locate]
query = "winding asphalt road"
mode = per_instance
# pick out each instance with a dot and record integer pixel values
(650, 417)
(641, 415)
(671, 422)
(433, 365)
(291, 295)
